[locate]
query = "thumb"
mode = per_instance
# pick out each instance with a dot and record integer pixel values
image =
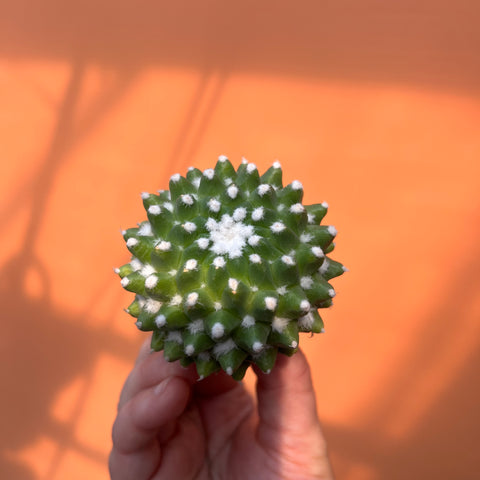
(286, 398)
(288, 425)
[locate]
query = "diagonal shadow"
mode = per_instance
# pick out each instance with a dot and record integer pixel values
(185, 129)
(64, 140)
(426, 43)
(46, 348)
(423, 44)
(441, 443)
(189, 139)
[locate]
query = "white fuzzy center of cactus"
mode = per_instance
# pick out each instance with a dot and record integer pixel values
(228, 236)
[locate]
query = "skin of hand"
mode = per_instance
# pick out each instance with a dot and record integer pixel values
(170, 426)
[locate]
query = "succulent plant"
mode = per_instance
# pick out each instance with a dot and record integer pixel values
(229, 268)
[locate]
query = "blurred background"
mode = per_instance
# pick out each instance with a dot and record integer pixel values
(373, 105)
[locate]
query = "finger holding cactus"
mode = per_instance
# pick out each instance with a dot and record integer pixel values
(229, 268)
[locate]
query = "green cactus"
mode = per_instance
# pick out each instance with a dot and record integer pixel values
(229, 268)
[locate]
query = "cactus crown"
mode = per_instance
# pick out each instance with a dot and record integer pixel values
(229, 268)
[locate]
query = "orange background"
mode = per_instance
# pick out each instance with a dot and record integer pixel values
(373, 105)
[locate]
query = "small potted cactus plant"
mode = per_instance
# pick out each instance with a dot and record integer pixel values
(229, 268)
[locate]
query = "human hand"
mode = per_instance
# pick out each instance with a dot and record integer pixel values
(169, 426)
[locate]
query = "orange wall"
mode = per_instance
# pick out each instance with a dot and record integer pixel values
(375, 109)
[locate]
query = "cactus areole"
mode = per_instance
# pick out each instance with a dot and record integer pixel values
(229, 268)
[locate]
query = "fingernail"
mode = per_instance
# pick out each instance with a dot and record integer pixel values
(161, 387)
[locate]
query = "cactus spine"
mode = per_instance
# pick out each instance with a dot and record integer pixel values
(229, 268)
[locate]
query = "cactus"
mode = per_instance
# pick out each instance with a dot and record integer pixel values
(229, 268)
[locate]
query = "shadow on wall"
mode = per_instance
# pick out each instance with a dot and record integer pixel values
(44, 347)
(45, 351)
(426, 43)
(441, 443)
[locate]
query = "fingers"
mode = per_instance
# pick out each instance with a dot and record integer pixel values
(139, 465)
(286, 403)
(184, 454)
(141, 418)
(224, 407)
(153, 398)
(150, 370)
(286, 399)
(215, 384)
(288, 424)
(136, 451)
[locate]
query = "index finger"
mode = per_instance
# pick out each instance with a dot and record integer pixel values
(149, 370)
